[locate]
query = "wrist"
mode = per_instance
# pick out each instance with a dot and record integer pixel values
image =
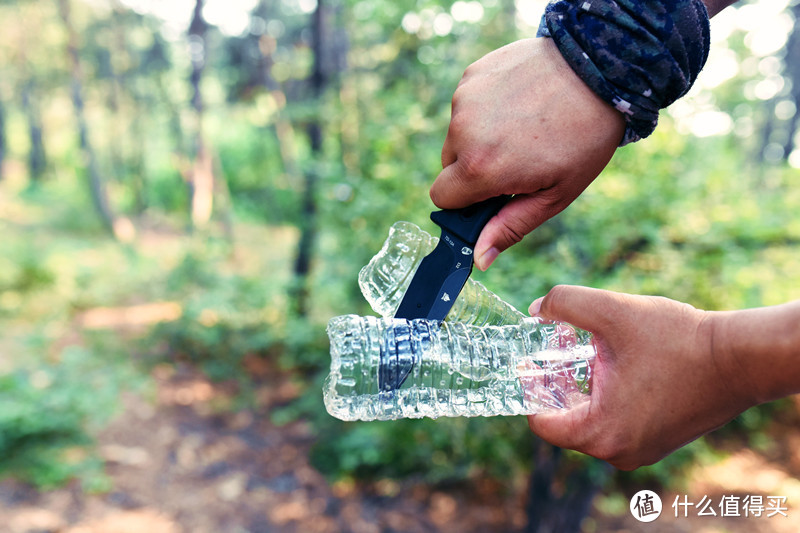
(759, 351)
(637, 56)
(727, 356)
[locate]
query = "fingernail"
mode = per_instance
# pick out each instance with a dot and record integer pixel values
(536, 306)
(487, 258)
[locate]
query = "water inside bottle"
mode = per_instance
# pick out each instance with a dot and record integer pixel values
(459, 370)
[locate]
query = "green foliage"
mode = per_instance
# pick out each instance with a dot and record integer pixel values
(436, 451)
(57, 389)
(258, 185)
(49, 413)
(26, 276)
(225, 318)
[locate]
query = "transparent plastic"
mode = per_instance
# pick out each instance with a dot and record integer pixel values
(385, 279)
(485, 359)
(457, 369)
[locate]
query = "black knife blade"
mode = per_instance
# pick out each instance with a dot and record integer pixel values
(437, 281)
(442, 274)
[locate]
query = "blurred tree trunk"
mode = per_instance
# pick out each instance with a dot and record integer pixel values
(179, 143)
(127, 146)
(117, 126)
(137, 165)
(205, 179)
(308, 211)
(37, 161)
(767, 134)
(138, 168)
(508, 16)
(777, 134)
(119, 228)
(282, 128)
(201, 177)
(560, 492)
(792, 62)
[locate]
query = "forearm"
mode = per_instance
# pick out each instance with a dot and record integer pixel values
(760, 350)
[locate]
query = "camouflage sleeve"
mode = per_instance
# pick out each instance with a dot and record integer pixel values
(637, 55)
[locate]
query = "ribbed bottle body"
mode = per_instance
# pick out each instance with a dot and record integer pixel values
(384, 281)
(457, 369)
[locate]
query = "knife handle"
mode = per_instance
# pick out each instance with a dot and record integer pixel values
(468, 222)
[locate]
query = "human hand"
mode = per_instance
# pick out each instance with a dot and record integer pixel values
(523, 123)
(658, 382)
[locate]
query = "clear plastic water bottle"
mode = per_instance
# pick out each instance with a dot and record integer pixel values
(385, 279)
(454, 369)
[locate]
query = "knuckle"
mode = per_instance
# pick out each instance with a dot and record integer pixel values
(469, 71)
(556, 198)
(456, 99)
(510, 235)
(515, 226)
(435, 195)
(473, 164)
(459, 121)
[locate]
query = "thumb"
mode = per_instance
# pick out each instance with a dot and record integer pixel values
(523, 214)
(591, 309)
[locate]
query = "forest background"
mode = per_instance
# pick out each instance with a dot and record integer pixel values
(192, 186)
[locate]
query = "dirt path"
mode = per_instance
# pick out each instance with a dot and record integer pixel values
(181, 462)
(177, 466)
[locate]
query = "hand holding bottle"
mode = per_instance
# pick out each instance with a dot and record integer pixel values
(667, 373)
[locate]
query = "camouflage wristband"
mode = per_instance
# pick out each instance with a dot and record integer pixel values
(637, 55)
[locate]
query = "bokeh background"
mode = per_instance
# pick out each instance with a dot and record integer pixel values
(188, 191)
